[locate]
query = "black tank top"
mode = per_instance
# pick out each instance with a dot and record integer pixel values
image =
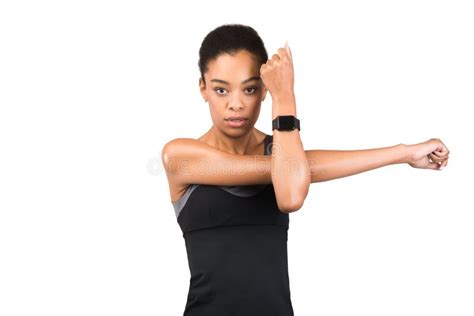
(236, 244)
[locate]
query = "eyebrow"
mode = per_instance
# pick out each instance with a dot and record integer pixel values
(245, 81)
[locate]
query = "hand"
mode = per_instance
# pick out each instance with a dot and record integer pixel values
(278, 75)
(432, 154)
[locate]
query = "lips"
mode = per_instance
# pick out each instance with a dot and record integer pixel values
(236, 121)
(235, 118)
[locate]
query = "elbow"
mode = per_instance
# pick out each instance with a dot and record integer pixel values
(292, 202)
(290, 206)
(291, 192)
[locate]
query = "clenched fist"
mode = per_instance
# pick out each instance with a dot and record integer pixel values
(432, 154)
(278, 74)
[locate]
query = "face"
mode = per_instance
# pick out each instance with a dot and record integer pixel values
(233, 88)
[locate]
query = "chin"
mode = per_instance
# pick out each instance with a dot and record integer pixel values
(235, 132)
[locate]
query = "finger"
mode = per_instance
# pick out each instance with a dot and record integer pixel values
(442, 152)
(444, 149)
(276, 57)
(287, 47)
(433, 166)
(443, 164)
(435, 158)
(441, 148)
(283, 53)
(439, 154)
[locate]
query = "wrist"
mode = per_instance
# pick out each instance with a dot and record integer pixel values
(405, 153)
(283, 111)
(283, 105)
(283, 97)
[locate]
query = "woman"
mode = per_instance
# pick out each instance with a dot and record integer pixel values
(233, 188)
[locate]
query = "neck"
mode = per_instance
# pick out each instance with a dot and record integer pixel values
(238, 145)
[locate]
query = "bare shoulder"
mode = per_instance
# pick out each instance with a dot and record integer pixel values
(182, 153)
(179, 142)
(180, 146)
(177, 147)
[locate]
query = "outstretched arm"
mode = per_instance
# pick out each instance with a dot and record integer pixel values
(332, 164)
(189, 161)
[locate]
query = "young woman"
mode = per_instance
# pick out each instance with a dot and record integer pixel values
(233, 188)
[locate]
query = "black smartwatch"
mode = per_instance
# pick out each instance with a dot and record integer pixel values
(286, 123)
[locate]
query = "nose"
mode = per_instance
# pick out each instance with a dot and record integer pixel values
(236, 103)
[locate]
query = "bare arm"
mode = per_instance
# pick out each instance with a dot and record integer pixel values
(333, 164)
(189, 161)
(291, 174)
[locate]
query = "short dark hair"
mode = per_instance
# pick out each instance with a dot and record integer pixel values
(230, 38)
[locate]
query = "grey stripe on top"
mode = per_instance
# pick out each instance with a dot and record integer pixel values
(240, 190)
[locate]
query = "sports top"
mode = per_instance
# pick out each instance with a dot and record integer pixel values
(236, 244)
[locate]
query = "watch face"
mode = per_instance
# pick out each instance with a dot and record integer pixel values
(286, 123)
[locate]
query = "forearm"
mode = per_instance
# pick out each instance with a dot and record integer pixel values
(332, 164)
(290, 171)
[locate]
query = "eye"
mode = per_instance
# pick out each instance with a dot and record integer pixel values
(217, 89)
(254, 89)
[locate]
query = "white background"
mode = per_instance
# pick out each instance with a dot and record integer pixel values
(90, 91)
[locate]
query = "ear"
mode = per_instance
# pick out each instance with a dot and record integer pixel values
(202, 89)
